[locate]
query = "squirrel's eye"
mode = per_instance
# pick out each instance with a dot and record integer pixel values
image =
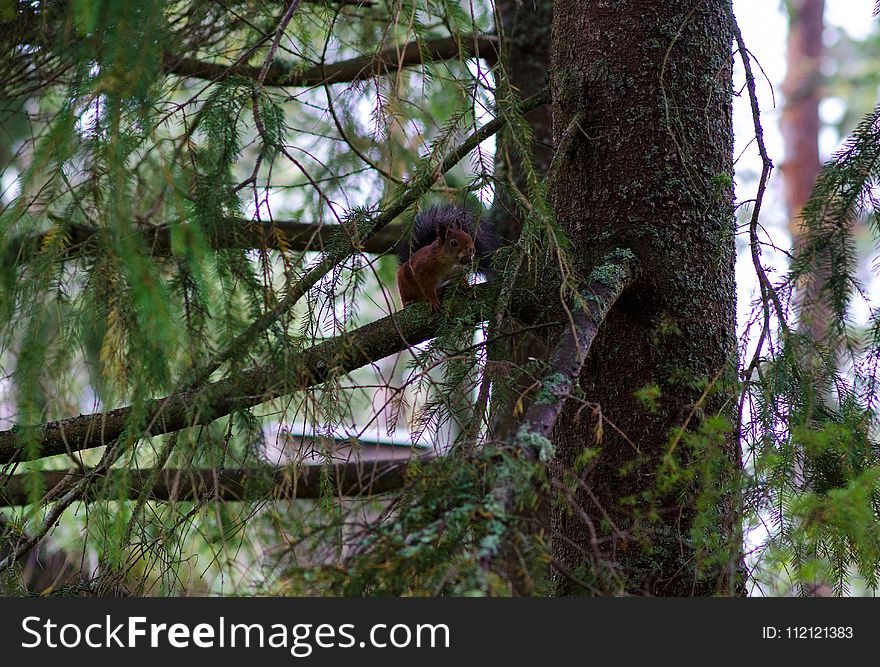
(453, 243)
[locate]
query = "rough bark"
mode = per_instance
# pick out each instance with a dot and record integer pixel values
(652, 173)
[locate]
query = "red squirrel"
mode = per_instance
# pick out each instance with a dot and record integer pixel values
(444, 243)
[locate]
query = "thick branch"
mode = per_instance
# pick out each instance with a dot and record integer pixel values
(203, 405)
(607, 282)
(356, 69)
(236, 233)
(365, 478)
(348, 3)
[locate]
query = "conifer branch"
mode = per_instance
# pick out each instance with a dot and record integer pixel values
(234, 233)
(346, 3)
(350, 479)
(341, 247)
(202, 402)
(345, 71)
(202, 405)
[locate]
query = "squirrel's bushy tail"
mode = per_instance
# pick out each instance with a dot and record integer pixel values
(427, 222)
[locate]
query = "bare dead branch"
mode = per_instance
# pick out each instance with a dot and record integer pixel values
(350, 479)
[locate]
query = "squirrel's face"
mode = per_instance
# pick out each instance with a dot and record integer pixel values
(460, 247)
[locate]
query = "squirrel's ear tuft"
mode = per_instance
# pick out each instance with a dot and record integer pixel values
(442, 231)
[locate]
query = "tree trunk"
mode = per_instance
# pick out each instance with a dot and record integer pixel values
(648, 511)
(802, 88)
(800, 127)
(525, 28)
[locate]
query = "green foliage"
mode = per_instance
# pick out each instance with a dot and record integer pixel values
(443, 535)
(125, 274)
(811, 444)
(649, 396)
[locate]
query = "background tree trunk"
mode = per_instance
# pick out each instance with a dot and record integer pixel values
(802, 88)
(525, 28)
(800, 126)
(651, 171)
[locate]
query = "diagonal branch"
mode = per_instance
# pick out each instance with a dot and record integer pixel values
(607, 282)
(532, 442)
(202, 405)
(350, 479)
(345, 71)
